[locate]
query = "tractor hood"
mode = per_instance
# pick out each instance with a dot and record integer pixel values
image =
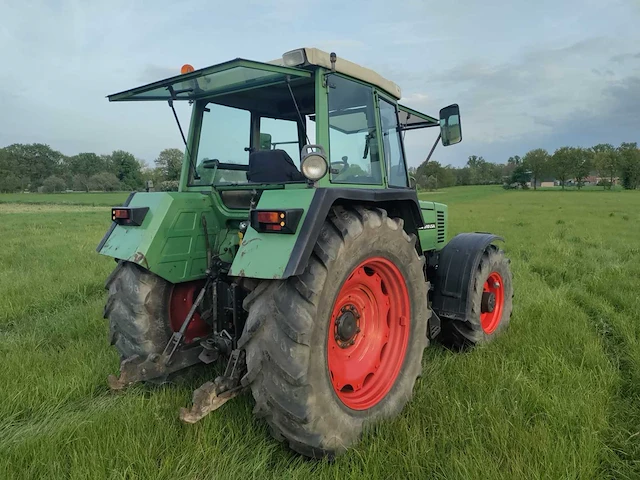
(212, 81)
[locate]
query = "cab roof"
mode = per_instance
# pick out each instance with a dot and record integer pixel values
(317, 57)
(241, 74)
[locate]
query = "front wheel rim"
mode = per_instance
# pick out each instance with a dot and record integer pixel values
(368, 333)
(491, 310)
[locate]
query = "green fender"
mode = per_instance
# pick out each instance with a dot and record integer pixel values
(170, 241)
(266, 255)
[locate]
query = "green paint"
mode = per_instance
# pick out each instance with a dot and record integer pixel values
(170, 242)
(265, 255)
(433, 214)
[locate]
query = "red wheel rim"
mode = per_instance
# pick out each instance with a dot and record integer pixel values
(182, 298)
(368, 333)
(489, 320)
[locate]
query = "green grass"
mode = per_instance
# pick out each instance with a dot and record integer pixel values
(556, 397)
(108, 199)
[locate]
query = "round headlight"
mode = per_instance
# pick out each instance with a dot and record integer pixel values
(314, 167)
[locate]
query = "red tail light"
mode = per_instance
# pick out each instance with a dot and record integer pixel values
(129, 215)
(276, 221)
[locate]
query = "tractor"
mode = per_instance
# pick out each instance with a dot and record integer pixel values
(296, 252)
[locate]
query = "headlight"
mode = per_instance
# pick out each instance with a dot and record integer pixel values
(314, 167)
(294, 58)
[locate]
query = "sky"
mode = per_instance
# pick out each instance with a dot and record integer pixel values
(525, 74)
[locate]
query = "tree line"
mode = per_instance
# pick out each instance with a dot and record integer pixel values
(607, 164)
(38, 167)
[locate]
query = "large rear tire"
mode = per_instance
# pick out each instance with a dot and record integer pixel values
(144, 310)
(339, 347)
(490, 304)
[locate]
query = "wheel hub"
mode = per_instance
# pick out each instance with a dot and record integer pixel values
(488, 302)
(347, 326)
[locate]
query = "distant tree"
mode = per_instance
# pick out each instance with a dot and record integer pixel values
(582, 164)
(463, 176)
(537, 162)
(104, 181)
(607, 163)
(603, 147)
(169, 162)
(432, 183)
(421, 182)
(520, 175)
(87, 164)
(127, 169)
(9, 183)
(629, 156)
(34, 161)
(81, 182)
(53, 184)
(447, 177)
(563, 164)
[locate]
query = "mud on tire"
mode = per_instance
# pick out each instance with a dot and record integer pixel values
(285, 336)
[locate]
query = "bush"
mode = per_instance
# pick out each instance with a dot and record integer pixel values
(105, 181)
(53, 184)
(169, 186)
(81, 182)
(9, 184)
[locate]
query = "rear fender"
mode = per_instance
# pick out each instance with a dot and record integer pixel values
(280, 256)
(170, 240)
(458, 261)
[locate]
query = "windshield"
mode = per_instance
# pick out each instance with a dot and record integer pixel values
(228, 135)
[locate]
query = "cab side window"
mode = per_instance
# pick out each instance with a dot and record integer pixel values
(393, 153)
(353, 143)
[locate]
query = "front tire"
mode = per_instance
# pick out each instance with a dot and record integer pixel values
(364, 277)
(490, 304)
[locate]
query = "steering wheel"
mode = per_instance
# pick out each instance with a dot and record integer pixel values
(344, 162)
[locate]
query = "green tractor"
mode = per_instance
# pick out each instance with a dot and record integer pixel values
(296, 251)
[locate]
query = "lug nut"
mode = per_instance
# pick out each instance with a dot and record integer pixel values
(496, 285)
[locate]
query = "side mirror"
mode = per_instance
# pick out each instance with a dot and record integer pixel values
(450, 127)
(412, 182)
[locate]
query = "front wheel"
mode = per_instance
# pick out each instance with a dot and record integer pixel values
(490, 304)
(339, 347)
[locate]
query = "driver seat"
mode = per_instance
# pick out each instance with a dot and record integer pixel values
(272, 166)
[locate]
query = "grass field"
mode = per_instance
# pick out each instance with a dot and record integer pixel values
(557, 397)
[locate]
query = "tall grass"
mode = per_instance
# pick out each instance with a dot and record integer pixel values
(556, 397)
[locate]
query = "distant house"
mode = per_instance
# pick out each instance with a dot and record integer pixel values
(544, 182)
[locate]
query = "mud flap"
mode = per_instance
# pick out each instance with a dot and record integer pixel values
(458, 260)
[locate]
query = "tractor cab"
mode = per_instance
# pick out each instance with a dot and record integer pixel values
(251, 121)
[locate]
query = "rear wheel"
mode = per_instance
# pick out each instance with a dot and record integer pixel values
(339, 347)
(490, 304)
(144, 310)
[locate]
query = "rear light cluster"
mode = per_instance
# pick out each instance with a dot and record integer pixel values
(276, 221)
(129, 215)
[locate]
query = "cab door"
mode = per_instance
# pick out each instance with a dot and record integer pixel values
(394, 157)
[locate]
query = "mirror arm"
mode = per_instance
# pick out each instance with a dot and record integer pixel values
(434, 147)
